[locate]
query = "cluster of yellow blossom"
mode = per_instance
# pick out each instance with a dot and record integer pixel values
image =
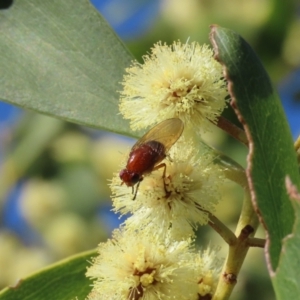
(152, 256)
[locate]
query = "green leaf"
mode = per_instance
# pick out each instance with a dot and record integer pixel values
(286, 280)
(63, 280)
(272, 155)
(62, 59)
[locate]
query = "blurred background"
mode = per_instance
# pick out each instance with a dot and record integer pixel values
(58, 203)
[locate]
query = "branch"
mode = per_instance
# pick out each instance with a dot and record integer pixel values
(222, 230)
(233, 130)
(256, 242)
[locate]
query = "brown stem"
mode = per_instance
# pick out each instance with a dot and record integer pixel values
(234, 261)
(246, 228)
(222, 229)
(256, 242)
(233, 130)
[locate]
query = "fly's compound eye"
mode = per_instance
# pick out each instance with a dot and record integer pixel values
(129, 178)
(135, 178)
(122, 174)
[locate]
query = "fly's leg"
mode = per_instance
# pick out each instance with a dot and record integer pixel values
(136, 190)
(163, 165)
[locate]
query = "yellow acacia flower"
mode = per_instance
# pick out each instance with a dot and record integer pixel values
(134, 266)
(192, 183)
(208, 268)
(181, 80)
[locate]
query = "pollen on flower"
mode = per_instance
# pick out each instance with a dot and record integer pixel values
(180, 80)
(147, 279)
(132, 266)
(208, 267)
(176, 204)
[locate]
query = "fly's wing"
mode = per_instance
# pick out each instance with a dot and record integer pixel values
(166, 132)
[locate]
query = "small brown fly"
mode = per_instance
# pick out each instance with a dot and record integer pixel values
(146, 155)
